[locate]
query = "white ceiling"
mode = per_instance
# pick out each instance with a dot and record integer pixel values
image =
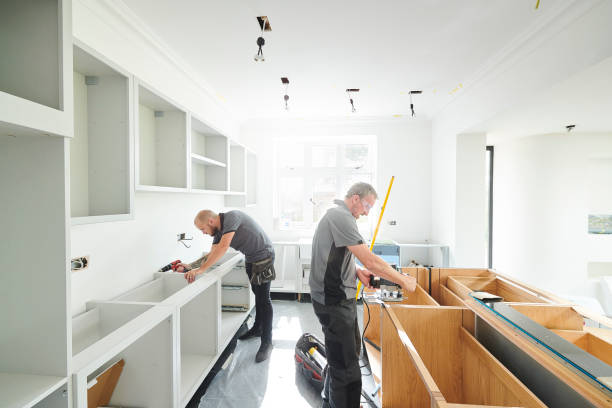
(385, 48)
(584, 100)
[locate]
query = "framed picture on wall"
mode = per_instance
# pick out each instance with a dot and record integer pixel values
(600, 224)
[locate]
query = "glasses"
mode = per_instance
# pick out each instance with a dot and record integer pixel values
(367, 206)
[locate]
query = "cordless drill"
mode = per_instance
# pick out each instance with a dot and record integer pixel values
(172, 265)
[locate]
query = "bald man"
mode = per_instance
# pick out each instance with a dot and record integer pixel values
(241, 232)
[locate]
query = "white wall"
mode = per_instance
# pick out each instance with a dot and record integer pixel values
(541, 206)
(125, 254)
(471, 221)
(404, 151)
(576, 39)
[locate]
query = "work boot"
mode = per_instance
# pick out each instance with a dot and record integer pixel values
(252, 332)
(264, 352)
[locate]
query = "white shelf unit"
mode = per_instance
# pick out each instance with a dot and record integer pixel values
(209, 158)
(36, 68)
(288, 267)
(100, 171)
(25, 391)
(34, 339)
(161, 129)
(237, 176)
(234, 275)
(251, 178)
(198, 307)
(145, 342)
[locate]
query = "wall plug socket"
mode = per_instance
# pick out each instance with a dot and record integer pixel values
(79, 263)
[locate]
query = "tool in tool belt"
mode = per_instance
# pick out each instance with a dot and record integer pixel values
(263, 271)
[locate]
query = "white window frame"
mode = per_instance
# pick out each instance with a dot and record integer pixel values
(309, 173)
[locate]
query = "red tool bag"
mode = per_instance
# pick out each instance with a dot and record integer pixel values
(313, 369)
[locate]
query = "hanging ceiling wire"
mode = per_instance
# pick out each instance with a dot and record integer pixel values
(259, 57)
(285, 81)
(349, 91)
(412, 104)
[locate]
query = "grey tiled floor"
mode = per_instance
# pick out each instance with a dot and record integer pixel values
(273, 383)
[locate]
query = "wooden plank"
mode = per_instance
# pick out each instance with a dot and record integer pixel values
(600, 348)
(418, 297)
(375, 359)
(372, 331)
(100, 394)
(476, 283)
(486, 381)
(511, 293)
(406, 381)
(604, 334)
(424, 279)
(435, 334)
(546, 295)
(448, 298)
(435, 284)
(577, 337)
(458, 288)
(446, 272)
(573, 380)
(552, 316)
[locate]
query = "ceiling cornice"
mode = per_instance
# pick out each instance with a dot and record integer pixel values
(555, 20)
(119, 10)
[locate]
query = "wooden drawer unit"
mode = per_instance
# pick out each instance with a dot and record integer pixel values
(431, 360)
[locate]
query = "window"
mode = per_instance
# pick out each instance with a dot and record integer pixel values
(311, 173)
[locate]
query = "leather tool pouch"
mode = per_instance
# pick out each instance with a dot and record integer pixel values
(263, 271)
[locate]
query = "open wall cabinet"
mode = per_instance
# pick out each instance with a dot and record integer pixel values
(161, 142)
(101, 187)
(34, 345)
(243, 177)
(36, 68)
(209, 158)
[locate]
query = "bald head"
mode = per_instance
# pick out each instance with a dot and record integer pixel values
(207, 221)
(203, 216)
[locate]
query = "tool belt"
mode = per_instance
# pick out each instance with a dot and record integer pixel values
(262, 271)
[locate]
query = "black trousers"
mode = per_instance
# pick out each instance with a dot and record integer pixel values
(342, 345)
(263, 307)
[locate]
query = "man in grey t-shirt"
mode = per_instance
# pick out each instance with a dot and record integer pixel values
(241, 232)
(333, 287)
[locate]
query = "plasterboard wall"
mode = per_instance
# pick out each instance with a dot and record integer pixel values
(542, 197)
(125, 254)
(404, 149)
(535, 64)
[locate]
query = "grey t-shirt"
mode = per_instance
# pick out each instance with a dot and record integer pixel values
(333, 274)
(249, 237)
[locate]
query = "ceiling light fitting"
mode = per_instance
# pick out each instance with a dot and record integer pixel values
(285, 81)
(349, 91)
(411, 104)
(570, 127)
(265, 26)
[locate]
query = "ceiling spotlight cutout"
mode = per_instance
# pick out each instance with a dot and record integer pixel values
(350, 91)
(285, 81)
(265, 26)
(412, 104)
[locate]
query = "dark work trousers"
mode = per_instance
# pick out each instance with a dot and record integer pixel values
(342, 345)
(263, 307)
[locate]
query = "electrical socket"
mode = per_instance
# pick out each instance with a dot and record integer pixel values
(392, 222)
(79, 263)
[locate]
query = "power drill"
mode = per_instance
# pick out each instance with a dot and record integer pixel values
(172, 265)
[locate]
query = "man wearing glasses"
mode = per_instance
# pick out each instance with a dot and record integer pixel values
(333, 287)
